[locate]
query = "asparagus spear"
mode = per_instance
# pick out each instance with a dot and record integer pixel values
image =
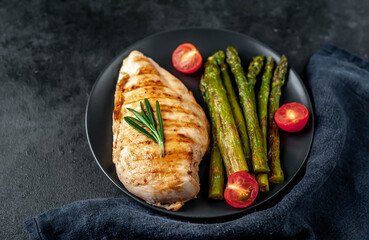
(276, 175)
(228, 138)
(263, 97)
(236, 109)
(216, 170)
(216, 174)
(259, 160)
(254, 69)
(263, 182)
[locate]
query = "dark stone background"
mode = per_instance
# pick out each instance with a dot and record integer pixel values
(51, 53)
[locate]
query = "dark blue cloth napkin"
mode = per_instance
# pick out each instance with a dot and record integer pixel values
(330, 202)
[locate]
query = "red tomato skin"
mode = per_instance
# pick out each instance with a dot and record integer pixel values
(244, 178)
(292, 125)
(196, 61)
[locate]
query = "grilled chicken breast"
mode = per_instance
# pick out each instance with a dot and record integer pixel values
(171, 180)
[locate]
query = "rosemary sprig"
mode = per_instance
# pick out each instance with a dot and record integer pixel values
(147, 120)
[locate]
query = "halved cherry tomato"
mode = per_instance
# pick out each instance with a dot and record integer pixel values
(291, 117)
(241, 189)
(186, 58)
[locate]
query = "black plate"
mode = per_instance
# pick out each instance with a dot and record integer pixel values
(294, 147)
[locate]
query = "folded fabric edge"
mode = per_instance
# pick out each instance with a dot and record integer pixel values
(32, 228)
(343, 55)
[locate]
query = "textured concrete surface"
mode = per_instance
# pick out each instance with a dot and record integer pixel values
(51, 53)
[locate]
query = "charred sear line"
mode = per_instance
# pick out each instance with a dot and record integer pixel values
(147, 69)
(153, 85)
(131, 88)
(177, 109)
(174, 125)
(151, 95)
(119, 98)
(179, 138)
(146, 142)
(117, 114)
(177, 153)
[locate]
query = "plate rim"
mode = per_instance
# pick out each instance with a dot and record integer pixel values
(177, 214)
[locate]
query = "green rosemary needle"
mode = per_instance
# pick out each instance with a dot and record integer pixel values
(147, 120)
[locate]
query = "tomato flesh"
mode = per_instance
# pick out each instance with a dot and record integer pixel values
(291, 117)
(186, 58)
(241, 190)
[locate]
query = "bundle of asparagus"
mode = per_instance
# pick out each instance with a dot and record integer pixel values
(240, 123)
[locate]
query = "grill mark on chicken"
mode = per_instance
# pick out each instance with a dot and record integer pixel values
(154, 85)
(181, 126)
(147, 69)
(178, 124)
(155, 95)
(180, 153)
(179, 109)
(179, 137)
(144, 90)
(119, 97)
(146, 80)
